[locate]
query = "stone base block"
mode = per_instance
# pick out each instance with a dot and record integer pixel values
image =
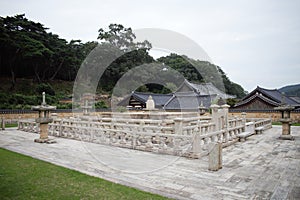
(195, 155)
(47, 141)
(286, 137)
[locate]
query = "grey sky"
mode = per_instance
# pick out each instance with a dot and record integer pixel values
(255, 42)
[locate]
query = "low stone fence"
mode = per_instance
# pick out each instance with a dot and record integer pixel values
(156, 136)
(265, 123)
(173, 144)
(273, 114)
(28, 126)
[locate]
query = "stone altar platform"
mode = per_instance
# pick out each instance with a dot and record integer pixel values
(262, 167)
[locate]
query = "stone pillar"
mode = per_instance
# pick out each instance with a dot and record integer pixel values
(196, 148)
(286, 129)
(215, 157)
(43, 131)
(225, 109)
(178, 126)
(244, 117)
(215, 115)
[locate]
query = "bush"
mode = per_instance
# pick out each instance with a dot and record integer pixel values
(64, 106)
(101, 104)
(45, 87)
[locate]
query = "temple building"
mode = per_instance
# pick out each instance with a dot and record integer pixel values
(188, 97)
(262, 99)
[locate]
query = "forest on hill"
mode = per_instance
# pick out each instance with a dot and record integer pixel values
(28, 50)
(291, 90)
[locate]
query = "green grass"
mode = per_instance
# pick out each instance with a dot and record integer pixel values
(22, 177)
(10, 125)
(279, 123)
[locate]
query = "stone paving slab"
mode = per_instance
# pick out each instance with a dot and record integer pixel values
(263, 167)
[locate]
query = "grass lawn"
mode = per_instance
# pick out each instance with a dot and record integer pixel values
(279, 123)
(22, 177)
(9, 125)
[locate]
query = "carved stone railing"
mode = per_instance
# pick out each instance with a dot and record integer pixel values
(235, 122)
(261, 122)
(266, 123)
(28, 126)
(152, 135)
(154, 142)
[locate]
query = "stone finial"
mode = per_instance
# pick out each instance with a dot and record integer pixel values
(44, 98)
(150, 105)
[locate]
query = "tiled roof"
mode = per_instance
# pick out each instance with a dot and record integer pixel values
(159, 99)
(207, 89)
(273, 97)
(188, 101)
(198, 94)
(296, 99)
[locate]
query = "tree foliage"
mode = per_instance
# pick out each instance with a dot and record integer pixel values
(29, 50)
(135, 53)
(202, 71)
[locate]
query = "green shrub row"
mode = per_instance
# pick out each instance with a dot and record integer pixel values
(24, 102)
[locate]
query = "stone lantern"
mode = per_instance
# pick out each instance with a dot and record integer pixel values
(286, 121)
(44, 119)
(87, 97)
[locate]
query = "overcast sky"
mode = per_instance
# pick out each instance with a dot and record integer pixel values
(255, 42)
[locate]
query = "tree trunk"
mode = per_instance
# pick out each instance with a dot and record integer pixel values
(13, 79)
(12, 72)
(37, 76)
(59, 67)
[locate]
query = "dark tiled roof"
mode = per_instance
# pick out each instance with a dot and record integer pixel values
(206, 89)
(188, 101)
(159, 99)
(296, 99)
(257, 96)
(273, 97)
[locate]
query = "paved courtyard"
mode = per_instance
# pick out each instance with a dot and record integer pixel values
(262, 167)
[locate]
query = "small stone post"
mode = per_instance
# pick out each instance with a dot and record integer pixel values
(244, 117)
(215, 157)
(196, 148)
(215, 116)
(178, 126)
(225, 108)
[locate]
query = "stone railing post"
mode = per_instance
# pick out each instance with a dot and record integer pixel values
(178, 126)
(196, 148)
(215, 116)
(215, 157)
(244, 117)
(225, 108)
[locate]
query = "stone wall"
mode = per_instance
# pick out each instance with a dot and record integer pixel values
(275, 116)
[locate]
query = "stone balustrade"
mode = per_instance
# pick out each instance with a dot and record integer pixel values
(235, 122)
(28, 126)
(261, 122)
(175, 137)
